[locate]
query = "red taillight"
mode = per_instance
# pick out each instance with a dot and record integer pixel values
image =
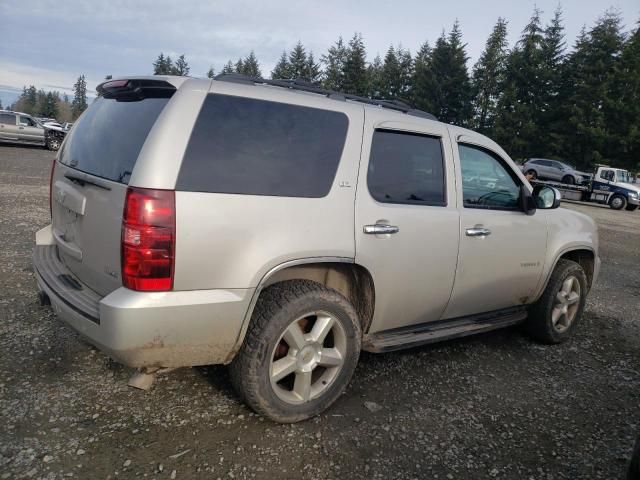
(53, 167)
(148, 239)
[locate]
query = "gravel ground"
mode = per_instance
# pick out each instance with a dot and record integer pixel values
(490, 406)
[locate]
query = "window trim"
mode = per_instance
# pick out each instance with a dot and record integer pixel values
(504, 165)
(445, 192)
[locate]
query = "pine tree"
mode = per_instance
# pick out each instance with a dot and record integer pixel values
(423, 82)
(375, 76)
(313, 69)
(108, 77)
(79, 103)
(163, 65)
(298, 62)
(228, 68)
(250, 66)
(181, 67)
(488, 78)
(282, 69)
(390, 74)
(334, 62)
(519, 124)
(590, 135)
(211, 73)
(1, 107)
(50, 105)
(355, 67)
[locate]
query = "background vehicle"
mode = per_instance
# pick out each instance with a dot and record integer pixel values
(218, 221)
(16, 127)
(554, 170)
(608, 186)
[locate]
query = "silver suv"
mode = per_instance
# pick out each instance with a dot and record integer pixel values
(282, 229)
(554, 170)
(21, 128)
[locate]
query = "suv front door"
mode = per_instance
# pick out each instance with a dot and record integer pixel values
(406, 220)
(502, 250)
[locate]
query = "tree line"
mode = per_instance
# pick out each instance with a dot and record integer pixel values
(52, 104)
(537, 98)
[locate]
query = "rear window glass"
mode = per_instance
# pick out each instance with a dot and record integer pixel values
(256, 147)
(406, 168)
(7, 119)
(107, 139)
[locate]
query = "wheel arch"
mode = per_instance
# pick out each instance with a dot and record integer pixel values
(583, 255)
(352, 280)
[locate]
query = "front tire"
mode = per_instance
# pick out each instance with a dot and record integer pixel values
(299, 353)
(569, 180)
(618, 202)
(631, 208)
(553, 318)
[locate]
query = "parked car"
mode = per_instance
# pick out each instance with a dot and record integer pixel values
(282, 229)
(554, 170)
(21, 128)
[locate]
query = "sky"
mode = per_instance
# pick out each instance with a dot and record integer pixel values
(49, 43)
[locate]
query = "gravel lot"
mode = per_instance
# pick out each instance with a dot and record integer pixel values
(491, 406)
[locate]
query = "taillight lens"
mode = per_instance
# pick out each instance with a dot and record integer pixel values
(148, 239)
(53, 167)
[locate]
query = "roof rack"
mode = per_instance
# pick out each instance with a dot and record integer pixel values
(306, 86)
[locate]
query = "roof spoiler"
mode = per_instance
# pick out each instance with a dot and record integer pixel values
(133, 90)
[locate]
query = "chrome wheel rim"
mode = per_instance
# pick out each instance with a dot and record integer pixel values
(307, 357)
(616, 202)
(54, 144)
(566, 304)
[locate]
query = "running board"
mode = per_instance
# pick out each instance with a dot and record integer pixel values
(423, 333)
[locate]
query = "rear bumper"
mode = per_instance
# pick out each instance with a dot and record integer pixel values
(146, 329)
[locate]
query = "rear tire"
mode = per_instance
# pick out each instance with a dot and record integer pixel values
(631, 208)
(299, 353)
(553, 318)
(569, 180)
(617, 202)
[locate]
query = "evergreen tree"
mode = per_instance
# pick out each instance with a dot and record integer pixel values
(239, 66)
(228, 68)
(163, 65)
(519, 124)
(108, 77)
(250, 66)
(625, 116)
(79, 103)
(181, 67)
(397, 73)
(334, 62)
(211, 73)
(50, 105)
(355, 67)
(313, 69)
(423, 81)
(488, 78)
(375, 76)
(282, 68)
(1, 107)
(298, 64)
(590, 135)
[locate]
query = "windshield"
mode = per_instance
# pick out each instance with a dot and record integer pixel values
(623, 176)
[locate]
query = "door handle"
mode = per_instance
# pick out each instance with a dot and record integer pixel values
(477, 232)
(20, 128)
(380, 229)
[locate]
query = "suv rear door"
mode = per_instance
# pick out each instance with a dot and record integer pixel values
(406, 182)
(90, 179)
(8, 127)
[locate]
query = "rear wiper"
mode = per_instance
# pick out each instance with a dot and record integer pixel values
(82, 180)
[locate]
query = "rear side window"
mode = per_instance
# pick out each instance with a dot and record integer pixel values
(256, 147)
(107, 139)
(7, 119)
(406, 168)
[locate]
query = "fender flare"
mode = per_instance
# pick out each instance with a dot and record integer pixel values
(263, 283)
(542, 287)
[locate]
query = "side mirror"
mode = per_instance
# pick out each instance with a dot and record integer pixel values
(546, 197)
(527, 201)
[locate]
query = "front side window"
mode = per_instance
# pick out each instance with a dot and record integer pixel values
(257, 147)
(486, 182)
(406, 168)
(27, 122)
(607, 175)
